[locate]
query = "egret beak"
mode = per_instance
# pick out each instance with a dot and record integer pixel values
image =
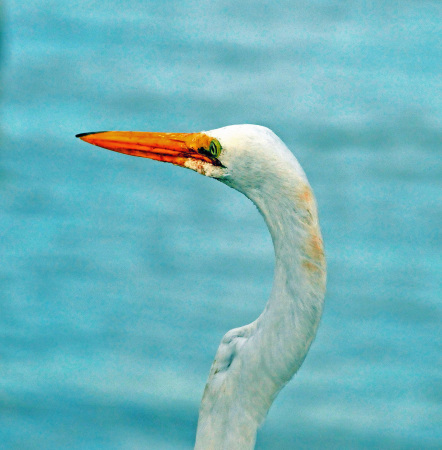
(175, 148)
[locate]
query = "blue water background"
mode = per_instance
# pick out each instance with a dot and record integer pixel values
(119, 275)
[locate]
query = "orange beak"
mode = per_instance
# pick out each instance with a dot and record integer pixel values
(175, 148)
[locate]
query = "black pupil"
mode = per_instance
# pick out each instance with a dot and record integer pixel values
(212, 149)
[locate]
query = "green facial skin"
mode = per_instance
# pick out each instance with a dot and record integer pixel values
(214, 149)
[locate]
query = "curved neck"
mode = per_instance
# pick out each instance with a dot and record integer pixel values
(254, 362)
(291, 317)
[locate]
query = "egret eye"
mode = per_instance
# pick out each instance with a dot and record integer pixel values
(215, 148)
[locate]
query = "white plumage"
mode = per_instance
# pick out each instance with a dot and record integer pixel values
(254, 362)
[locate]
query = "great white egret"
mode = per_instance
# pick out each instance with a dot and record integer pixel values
(254, 362)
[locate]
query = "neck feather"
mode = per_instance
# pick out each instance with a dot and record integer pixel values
(254, 362)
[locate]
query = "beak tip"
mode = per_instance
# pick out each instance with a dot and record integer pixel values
(82, 135)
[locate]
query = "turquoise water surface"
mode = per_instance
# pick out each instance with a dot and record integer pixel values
(119, 275)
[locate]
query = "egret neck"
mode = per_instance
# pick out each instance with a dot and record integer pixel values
(254, 362)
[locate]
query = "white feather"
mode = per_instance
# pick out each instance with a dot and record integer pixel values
(254, 362)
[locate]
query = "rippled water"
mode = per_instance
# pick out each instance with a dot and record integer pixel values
(119, 276)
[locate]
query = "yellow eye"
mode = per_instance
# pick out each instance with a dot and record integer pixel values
(215, 148)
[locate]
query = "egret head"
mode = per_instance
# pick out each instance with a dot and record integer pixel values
(253, 158)
(245, 157)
